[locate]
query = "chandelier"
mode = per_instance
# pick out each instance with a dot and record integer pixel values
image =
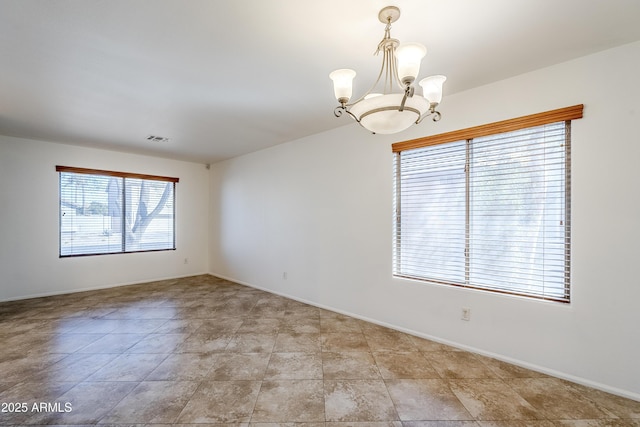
(380, 109)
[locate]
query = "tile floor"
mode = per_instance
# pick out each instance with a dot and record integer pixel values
(204, 351)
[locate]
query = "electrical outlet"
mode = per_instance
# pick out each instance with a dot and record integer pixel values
(186, 260)
(466, 313)
(284, 275)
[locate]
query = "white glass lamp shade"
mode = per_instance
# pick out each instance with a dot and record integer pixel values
(380, 114)
(409, 57)
(432, 88)
(342, 84)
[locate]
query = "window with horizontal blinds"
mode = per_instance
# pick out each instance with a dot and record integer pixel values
(105, 212)
(489, 212)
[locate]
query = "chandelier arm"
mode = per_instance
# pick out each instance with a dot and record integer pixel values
(341, 109)
(421, 118)
(395, 76)
(408, 93)
(370, 89)
(431, 112)
(353, 117)
(404, 99)
(388, 62)
(386, 45)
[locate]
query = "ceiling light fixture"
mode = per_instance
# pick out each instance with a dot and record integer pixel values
(380, 110)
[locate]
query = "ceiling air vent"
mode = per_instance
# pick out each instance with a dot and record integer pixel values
(156, 138)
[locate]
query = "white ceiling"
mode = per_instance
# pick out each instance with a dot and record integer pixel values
(224, 78)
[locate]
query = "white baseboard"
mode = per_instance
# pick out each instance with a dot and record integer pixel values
(97, 288)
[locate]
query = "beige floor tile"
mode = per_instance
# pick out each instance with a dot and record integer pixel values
(458, 364)
(290, 401)
(70, 343)
(507, 370)
(423, 344)
(295, 324)
(300, 310)
(23, 326)
(339, 323)
(268, 310)
(152, 402)
(365, 424)
(339, 342)
(290, 342)
(97, 326)
(182, 367)
(260, 326)
(389, 341)
(88, 402)
(619, 406)
(556, 399)
(426, 399)
(5, 386)
(179, 326)
(158, 343)
(598, 423)
(221, 402)
(112, 343)
(75, 367)
(441, 423)
(358, 400)
(220, 326)
(30, 393)
(351, 365)
(28, 342)
(143, 312)
(251, 343)
(137, 326)
(204, 343)
(493, 399)
(396, 365)
(518, 423)
(22, 367)
(238, 366)
(128, 367)
(294, 366)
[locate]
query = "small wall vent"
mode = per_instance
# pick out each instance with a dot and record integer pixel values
(156, 138)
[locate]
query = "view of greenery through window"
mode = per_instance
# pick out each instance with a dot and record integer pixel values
(108, 214)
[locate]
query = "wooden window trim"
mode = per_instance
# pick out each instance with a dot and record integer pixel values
(116, 174)
(559, 115)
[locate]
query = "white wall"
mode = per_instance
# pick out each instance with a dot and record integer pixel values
(29, 261)
(320, 208)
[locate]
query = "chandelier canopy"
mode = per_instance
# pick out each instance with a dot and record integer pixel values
(380, 109)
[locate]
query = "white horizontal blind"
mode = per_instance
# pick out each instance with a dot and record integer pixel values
(103, 212)
(430, 228)
(87, 221)
(490, 212)
(150, 203)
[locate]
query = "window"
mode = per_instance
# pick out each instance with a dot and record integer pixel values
(488, 207)
(105, 212)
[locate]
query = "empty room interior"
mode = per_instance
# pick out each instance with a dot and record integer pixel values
(206, 219)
